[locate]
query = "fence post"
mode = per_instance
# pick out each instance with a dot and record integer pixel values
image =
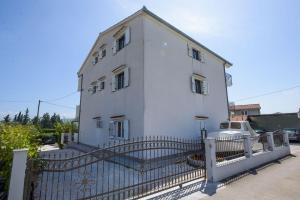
(286, 141)
(17, 177)
(62, 136)
(270, 141)
(210, 156)
(247, 146)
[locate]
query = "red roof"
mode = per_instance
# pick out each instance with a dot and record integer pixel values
(245, 107)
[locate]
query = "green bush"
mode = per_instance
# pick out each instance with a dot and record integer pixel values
(47, 130)
(16, 136)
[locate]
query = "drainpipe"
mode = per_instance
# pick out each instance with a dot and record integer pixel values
(79, 114)
(228, 113)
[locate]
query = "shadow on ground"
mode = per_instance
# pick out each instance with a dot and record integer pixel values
(201, 186)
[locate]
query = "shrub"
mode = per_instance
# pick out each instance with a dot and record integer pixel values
(16, 136)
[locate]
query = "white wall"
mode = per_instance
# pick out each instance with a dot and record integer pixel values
(170, 105)
(244, 164)
(128, 101)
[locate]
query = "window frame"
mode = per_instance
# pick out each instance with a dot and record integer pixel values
(120, 84)
(196, 54)
(198, 87)
(99, 123)
(199, 84)
(103, 52)
(123, 39)
(118, 129)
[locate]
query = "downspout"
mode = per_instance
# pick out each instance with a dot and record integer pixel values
(228, 113)
(79, 114)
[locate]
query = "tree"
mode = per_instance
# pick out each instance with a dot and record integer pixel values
(26, 118)
(15, 118)
(55, 119)
(35, 120)
(46, 121)
(20, 117)
(16, 136)
(6, 119)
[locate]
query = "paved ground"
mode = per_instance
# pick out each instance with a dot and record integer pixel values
(276, 181)
(279, 180)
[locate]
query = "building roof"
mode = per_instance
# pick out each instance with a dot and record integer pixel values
(245, 107)
(144, 10)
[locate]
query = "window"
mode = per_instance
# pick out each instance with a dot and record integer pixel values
(95, 57)
(120, 78)
(93, 88)
(244, 112)
(101, 83)
(121, 39)
(121, 42)
(235, 125)
(199, 84)
(196, 54)
(99, 123)
(224, 125)
(103, 53)
(119, 129)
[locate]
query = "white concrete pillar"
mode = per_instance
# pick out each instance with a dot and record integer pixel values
(286, 141)
(270, 141)
(210, 156)
(247, 146)
(16, 185)
(75, 137)
(62, 138)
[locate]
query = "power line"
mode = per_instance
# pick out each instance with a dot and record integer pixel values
(59, 98)
(32, 101)
(15, 101)
(59, 105)
(269, 93)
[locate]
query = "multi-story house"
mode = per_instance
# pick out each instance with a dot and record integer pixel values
(144, 77)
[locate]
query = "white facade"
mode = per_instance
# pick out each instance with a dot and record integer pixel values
(158, 97)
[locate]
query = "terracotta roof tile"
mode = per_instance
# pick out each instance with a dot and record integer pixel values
(245, 107)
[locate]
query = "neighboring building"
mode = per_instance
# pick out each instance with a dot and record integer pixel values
(240, 112)
(144, 77)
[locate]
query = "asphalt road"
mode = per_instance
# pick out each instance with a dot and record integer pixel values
(277, 181)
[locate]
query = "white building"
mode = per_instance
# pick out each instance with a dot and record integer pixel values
(144, 77)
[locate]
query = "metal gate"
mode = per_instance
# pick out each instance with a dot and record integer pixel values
(119, 170)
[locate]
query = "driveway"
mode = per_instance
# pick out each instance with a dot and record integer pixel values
(277, 181)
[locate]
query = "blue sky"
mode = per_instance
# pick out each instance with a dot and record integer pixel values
(43, 44)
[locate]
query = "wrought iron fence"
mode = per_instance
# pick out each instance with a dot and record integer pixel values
(228, 148)
(278, 138)
(119, 170)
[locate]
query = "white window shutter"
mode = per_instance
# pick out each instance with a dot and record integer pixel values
(189, 50)
(202, 57)
(113, 83)
(126, 77)
(99, 85)
(114, 48)
(193, 85)
(205, 87)
(126, 129)
(90, 90)
(112, 131)
(79, 84)
(127, 35)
